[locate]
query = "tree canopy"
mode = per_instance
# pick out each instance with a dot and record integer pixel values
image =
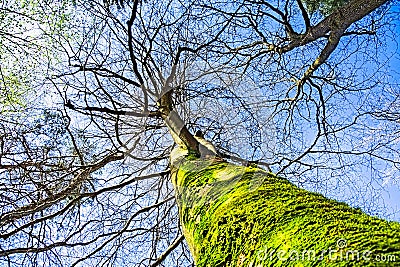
(95, 94)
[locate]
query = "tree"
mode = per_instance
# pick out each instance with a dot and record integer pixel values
(274, 84)
(25, 45)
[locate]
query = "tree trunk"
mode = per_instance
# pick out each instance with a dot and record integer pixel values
(244, 216)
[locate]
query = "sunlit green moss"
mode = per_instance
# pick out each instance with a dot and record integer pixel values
(244, 216)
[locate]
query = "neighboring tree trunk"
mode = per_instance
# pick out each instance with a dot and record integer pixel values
(243, 216)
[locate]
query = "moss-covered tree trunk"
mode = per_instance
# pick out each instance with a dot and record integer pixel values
(243, 216)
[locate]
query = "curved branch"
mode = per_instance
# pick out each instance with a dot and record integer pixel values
(53, 199)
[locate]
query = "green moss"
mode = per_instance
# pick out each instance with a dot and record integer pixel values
(244, 216)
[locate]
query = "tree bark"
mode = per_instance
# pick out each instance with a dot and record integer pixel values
(244, 216)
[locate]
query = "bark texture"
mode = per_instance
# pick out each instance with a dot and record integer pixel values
(244, 216)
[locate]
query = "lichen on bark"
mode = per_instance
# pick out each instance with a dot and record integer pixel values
(244, 216)
(326, 7)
